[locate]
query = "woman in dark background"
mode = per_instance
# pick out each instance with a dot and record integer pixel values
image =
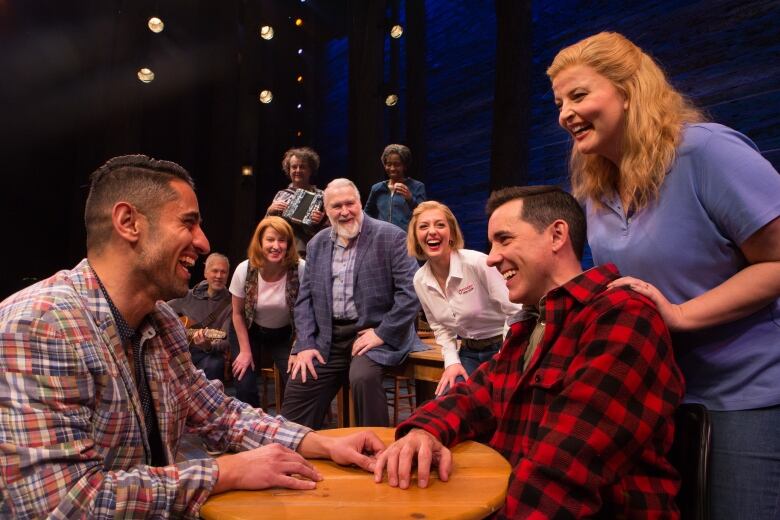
(300, 165)
(394, 200)
(689, 211)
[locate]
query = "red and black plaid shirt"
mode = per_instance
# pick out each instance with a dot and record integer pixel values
(588, 426)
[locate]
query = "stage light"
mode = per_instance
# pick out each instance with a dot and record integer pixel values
(300, 106)
(299, 79)
(396, 31)
(246, 171)
(266, 32)
(298, 22)
(299, 133)
(266, 96)
(155, 25)
(146, 75)
(391, 100)
(300, 51)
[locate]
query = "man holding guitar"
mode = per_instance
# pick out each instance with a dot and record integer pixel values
(205, 312)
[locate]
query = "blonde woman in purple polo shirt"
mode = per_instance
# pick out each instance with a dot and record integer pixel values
(689, 211)
(461, 295)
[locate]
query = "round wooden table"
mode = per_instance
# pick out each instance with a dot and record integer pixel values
(476, 488)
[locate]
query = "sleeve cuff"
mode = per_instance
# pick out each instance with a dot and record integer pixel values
(450, 355)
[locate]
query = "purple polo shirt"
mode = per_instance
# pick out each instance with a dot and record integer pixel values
(719, 192)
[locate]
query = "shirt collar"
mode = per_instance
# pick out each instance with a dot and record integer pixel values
(586, 286)
(126, 332)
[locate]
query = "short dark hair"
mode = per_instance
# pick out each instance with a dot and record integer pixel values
(543, 205)
(403, 152)
(140, 180)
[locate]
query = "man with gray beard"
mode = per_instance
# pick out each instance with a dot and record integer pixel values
(354, 315)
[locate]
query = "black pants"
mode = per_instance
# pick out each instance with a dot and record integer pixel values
(306, 403)
(275, 342)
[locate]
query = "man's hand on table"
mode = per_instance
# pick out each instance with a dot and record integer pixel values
(359, 448)
(399, 459)
(267, 466)
(274, 465)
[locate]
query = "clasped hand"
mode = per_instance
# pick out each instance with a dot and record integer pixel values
(402, 190)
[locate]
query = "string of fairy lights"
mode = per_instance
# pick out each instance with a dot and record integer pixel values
(265, 95)
(156, 25)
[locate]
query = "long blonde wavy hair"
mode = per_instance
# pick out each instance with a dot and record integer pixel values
(652, 125)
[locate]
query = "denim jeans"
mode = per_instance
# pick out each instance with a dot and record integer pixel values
(471, 359)
(745, 464)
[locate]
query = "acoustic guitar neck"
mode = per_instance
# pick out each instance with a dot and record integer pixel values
(209, 334)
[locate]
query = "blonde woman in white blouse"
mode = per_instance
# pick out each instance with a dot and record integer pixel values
(461, 295)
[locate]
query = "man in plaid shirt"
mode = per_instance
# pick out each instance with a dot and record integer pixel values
(581, 396)
(97, 384)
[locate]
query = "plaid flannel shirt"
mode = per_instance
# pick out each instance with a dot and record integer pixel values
(72, 435)
(587, 427)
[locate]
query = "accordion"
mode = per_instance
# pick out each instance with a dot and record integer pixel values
(302, 204)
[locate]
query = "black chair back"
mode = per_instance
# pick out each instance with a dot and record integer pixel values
(690, 454)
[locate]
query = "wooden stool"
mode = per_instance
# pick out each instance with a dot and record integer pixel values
(397, 395)
(345, 407)
(271, 373)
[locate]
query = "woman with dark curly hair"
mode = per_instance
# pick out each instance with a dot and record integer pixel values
(300, 165)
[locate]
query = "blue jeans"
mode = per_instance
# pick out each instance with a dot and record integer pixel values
(745, 464)
(471, 359)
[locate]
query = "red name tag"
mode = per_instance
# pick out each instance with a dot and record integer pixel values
(467, 289)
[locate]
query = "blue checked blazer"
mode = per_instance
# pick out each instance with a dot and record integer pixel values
(384, 293)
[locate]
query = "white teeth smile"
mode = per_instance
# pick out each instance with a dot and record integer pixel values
(580, 128)
(508, 274)
(433, 243)
(187, 261)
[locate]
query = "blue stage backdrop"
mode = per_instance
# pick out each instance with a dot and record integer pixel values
(724, 54)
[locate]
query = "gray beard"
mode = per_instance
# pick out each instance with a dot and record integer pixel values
(346, 235)
(342, 232)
